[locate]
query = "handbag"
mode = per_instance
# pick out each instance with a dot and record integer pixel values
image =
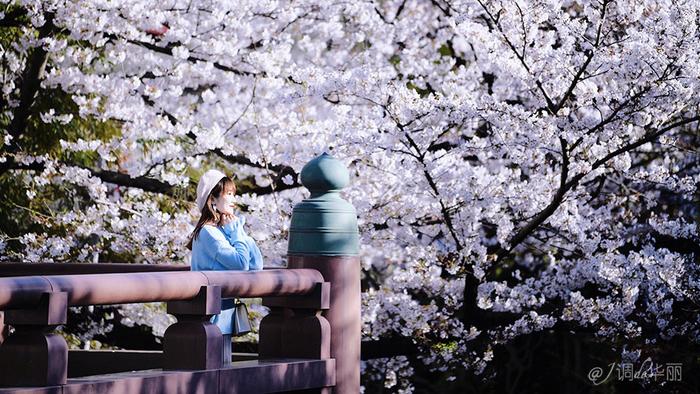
(241, 322)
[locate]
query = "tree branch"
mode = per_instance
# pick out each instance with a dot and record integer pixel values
(31, 82)
(574, 82)
(281, 169)
(611, 117)
(444, 9)
(144, 183)
(648, 138)
(14, 18)
(565, 186)
(543, 215)
(550, 104)
(168, 50)
(443, 209)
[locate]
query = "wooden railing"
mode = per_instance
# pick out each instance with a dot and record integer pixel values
(32, 269)
(35, 357)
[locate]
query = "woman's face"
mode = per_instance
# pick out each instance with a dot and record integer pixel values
(224, 203)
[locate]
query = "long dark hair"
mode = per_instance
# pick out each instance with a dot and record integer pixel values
(209, 214)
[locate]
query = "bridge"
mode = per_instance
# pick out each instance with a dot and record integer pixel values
(309, 342)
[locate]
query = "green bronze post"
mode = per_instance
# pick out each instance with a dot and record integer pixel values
(323, 235)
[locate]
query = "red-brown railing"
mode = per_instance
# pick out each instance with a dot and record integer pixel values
(31, 269)
(35, 305)
(106, 289)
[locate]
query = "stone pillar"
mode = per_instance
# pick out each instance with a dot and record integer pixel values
(194, 342)
(324, 236)
(33, 355)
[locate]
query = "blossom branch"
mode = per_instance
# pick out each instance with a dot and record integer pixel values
(521, 57)
(144, 183)
(443, 208)
(168, 50)
(565, 186)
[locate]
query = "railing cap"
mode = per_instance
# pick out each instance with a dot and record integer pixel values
(324, 224)
(324, 174)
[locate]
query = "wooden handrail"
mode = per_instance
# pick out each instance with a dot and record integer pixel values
(31, 269)
(105, 289)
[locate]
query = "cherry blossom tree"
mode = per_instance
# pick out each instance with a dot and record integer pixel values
(517, 166)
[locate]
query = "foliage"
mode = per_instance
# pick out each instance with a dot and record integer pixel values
(517, 166)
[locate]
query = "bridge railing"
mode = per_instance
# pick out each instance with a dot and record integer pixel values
(8, 269)
(120, 288)
(34, 356)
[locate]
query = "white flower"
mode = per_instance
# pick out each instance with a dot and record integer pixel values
(288, 180)
(181, 52)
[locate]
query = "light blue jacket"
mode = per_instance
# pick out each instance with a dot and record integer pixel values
(225, 248)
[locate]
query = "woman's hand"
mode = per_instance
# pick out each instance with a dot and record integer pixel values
(226, 218)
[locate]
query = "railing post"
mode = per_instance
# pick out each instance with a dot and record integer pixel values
(295, 328)
(32, 355)
(194, 342)
(324, 236)
(3, 327)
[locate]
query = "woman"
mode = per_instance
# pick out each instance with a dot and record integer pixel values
(219, 242)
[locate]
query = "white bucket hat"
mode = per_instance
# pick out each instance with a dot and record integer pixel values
(207, 182)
